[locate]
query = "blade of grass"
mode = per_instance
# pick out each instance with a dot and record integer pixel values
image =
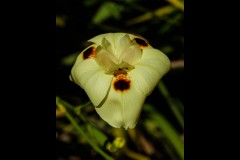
(163, 11)
(171, 102)
(171, 134)
(85, 136)
(167, 129)
(170, 23)
(178, 4)
(98, 135)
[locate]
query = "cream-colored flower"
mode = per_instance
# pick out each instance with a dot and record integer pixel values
(118, 71)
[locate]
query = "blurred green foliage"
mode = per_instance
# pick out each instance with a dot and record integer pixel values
(81, 134)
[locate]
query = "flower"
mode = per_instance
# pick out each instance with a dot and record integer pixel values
(118, 71)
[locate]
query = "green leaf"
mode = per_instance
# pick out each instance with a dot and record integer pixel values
(167, 129)
(107, 10)
(80, 130)
(173, 104)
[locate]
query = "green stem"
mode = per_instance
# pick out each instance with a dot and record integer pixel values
(74, 123)
(77, 110)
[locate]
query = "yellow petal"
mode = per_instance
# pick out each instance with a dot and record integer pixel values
(118, 41)
(149, 70)
(104, 59)
(92, 78)
(122, 106)
(132, 54)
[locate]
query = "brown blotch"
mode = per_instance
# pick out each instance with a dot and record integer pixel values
(121, 83)
(89, 53)
(140, 42)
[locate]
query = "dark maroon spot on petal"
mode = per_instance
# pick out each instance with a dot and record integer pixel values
(90, 52)
(121, 85)
(141, 42)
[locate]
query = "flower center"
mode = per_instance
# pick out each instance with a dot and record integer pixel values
(122, 82)
(120, 69)
(123, 70)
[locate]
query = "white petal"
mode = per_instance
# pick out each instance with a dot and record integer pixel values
(109, 48)
(88, 75)
(103, 59)
(122, 108)
(114, 43)
(98, 39)
(151, 68)
(132, 54)
(111, 37)
(122, 44)
(107, 45)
